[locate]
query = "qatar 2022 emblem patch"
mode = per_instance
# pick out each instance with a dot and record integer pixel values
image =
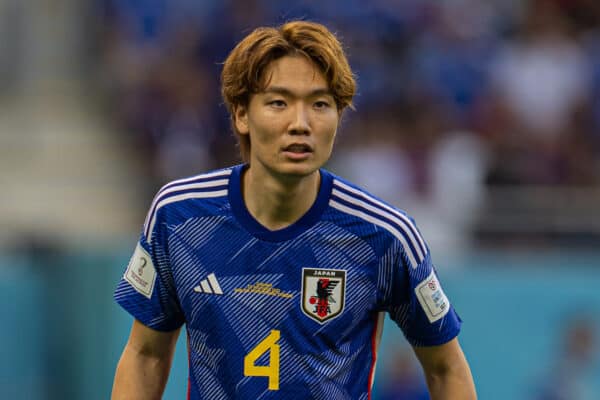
(323, 293)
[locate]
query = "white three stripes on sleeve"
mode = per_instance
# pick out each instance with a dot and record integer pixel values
(407, 222)
(391, 220)
(181, 185)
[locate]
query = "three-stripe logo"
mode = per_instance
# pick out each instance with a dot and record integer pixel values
(210, 285)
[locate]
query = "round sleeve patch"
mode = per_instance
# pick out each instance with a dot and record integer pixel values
(432, 298)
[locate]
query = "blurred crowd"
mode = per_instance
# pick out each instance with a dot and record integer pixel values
(514, 86)
(454, 96)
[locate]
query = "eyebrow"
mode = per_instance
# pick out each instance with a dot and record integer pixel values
(286, 92)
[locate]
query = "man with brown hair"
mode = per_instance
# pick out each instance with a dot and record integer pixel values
(280, 270)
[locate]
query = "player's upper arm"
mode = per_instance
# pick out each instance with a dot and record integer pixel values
(439, 359)
(447, 372)
(150, 342)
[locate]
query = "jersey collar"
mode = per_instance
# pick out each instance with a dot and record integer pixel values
(244, 217)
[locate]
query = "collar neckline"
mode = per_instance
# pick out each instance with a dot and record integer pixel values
(244, 217)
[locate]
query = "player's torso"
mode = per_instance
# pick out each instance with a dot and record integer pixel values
(290, 319)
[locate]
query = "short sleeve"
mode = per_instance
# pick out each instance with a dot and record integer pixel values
(147, 290)
(419, 305)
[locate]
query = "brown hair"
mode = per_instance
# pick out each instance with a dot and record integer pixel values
(243, 69)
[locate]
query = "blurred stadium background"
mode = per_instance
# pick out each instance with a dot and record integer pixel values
(488, 111)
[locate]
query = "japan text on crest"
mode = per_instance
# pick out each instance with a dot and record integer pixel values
(323, 293)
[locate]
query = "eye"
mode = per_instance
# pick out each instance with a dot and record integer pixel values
(320, 105)
(277, 103)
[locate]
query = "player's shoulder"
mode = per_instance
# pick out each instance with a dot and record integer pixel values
(348, 193)
(209, 179)
(355, 201)
(210, 185)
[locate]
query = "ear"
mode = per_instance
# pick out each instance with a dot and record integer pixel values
(240, 118)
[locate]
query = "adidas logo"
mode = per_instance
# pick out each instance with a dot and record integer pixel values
(210, 285)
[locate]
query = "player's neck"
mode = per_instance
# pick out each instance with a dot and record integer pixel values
(278, 203)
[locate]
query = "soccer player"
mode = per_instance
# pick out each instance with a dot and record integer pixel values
(280, 270)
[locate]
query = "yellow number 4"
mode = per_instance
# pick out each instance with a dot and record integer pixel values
(272, 370)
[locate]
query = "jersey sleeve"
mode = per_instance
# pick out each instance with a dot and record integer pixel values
(418, 303)
(147, 290)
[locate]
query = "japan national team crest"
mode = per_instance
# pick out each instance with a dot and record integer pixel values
(323, 293)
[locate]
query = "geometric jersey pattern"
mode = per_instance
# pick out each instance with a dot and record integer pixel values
(199, 234)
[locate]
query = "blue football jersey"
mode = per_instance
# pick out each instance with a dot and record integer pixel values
(295, 313)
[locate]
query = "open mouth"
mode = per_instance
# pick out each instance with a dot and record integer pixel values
(299, 148)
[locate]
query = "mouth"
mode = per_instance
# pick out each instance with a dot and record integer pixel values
(298, 148)
(298, 152)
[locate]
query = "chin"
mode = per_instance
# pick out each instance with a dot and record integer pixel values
(298, 169)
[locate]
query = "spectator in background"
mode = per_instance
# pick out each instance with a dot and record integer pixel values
(183, 144)
(544, 74)
(382, 149)
(158, 56)
(570, 368)
(540, 78)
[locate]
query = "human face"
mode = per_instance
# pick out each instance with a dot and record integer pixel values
(292, 122)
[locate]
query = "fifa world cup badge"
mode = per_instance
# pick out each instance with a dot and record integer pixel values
(323, 293)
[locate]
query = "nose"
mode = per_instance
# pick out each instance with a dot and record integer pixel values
(300, 124)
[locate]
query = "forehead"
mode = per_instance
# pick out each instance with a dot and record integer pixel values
(296, 73)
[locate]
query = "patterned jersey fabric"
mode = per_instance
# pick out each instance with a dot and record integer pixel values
(295, 313)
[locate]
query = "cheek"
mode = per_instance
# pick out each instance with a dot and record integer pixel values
(262, 129)
(266, 135)
(330, 139)
(331, 131)
(325, 146)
